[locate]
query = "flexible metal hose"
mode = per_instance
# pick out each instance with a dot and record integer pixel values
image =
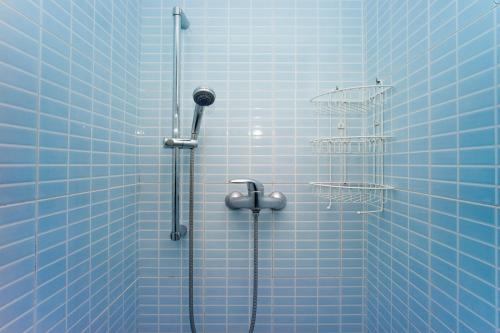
(255, 269)
(191, 241)
(191, 254)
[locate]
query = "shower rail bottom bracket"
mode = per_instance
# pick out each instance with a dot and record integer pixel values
(177, 235)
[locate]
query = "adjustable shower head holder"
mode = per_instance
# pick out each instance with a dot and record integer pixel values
(203, 96)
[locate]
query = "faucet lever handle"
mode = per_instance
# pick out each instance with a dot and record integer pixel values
(252, 184)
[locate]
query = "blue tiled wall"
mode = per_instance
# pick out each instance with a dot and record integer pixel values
(433, 254)
(68, 115)
(74, 125)
(265, 60)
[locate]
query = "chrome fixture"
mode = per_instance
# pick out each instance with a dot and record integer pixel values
(180, 143)
(202, 96)
(180, 22)
(255, 200)
(184, 22)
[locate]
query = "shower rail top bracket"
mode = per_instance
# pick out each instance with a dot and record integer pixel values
(184, 20)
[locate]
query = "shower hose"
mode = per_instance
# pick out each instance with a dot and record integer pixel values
(255, 214)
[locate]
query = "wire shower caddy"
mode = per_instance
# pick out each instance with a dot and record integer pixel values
(351, 148)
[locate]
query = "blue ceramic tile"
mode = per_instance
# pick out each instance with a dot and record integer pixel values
(36, 43)
(82, 127)
(462, 82)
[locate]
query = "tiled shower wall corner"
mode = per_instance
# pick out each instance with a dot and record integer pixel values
(433, 254)
(68, 113)
(265, 60)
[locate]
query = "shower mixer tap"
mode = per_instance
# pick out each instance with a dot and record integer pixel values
(255, 200)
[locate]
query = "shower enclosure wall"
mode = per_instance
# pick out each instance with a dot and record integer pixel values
(86, 185)
(69, 79)
(265, 60)
(433, 254)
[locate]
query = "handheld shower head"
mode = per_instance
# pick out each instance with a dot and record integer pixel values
(202, 96)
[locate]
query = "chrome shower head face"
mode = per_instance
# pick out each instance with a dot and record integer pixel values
(204, 96)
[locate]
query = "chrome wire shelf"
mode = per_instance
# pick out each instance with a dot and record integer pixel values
(370, 196)
(350, 100)
(349, 145)
(352, 146)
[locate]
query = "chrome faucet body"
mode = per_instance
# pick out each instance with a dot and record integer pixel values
(255, 200)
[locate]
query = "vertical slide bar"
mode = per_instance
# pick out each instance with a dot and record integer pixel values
(180, 22)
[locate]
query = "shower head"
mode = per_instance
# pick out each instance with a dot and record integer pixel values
(202, 96)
